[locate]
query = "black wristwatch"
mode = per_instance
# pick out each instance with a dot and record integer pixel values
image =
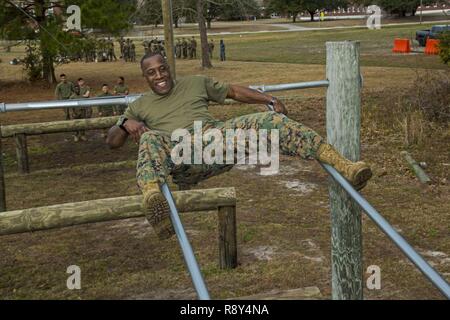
(271, 104)
(121, 123)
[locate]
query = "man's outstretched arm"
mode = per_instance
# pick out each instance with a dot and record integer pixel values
(251, 96)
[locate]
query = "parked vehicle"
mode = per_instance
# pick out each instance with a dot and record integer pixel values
(423, 35)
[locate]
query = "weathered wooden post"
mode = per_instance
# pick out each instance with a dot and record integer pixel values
(168, 34)
(2, 178)
(22, 153)
(343, 132)
(227, 237)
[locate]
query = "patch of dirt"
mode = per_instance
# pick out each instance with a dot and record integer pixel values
(290, 234)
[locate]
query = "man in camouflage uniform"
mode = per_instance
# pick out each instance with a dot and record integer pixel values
(193, 54)
(77, 113)
(171, 105)
(120, 89)
(184, 48)
(162, 48)
(63, 91)
(132, 51)
(126, 50)
(105, 111)
(211, 48)
(178, 49)
(111, 53)
(146, 46)
(81, 91)
(121, 44)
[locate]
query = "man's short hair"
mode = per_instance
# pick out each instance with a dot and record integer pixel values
(151, 54)
(79, 79)
(104, 85)
(121, 78)
(62, 75)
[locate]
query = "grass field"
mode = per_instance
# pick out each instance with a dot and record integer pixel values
(283, 220)
(309, 47)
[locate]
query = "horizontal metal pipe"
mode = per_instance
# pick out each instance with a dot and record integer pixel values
(399, 241)
(126, 100)
(71, 103)
(292, 86)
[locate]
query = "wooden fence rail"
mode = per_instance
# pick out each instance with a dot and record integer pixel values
(70, 214)
(21, 131)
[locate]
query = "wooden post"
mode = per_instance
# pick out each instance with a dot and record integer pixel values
(168, 35)
(343, 132)
(22, 153)
(227, 237)
(2, 178)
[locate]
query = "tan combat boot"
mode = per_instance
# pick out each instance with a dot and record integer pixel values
(156, 210)
(357, 173)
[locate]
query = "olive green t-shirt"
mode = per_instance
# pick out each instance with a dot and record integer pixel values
(187, 102)
(63, 90)
(120, 89)
(84, 89)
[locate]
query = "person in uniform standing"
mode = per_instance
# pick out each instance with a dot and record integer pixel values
(105, 111)
(222, 51)
(81, 91)
(63, 91)
(120, 89)
(193, 48)
(211, 48)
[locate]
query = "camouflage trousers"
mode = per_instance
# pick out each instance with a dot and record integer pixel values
(81, 113)
(155, 164)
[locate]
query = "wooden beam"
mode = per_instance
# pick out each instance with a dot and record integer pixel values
(308, 293)
(58, 126)
(343, 132)
(69, 214)
(416, 168)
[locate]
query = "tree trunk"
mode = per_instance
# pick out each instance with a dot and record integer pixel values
(312, 13)
(48, 70)
(294, 17)
(175, 21)
(206, 62)
(208, 23)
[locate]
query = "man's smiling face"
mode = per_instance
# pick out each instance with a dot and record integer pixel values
(157, 73)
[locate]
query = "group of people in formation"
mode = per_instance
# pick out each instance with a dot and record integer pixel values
(66, 90)
(185, 49)
(127, 50)
(101, 50)
(154, 46)
(93, 50)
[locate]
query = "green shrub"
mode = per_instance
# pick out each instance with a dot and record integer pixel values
(430, 93)
(444, 47)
